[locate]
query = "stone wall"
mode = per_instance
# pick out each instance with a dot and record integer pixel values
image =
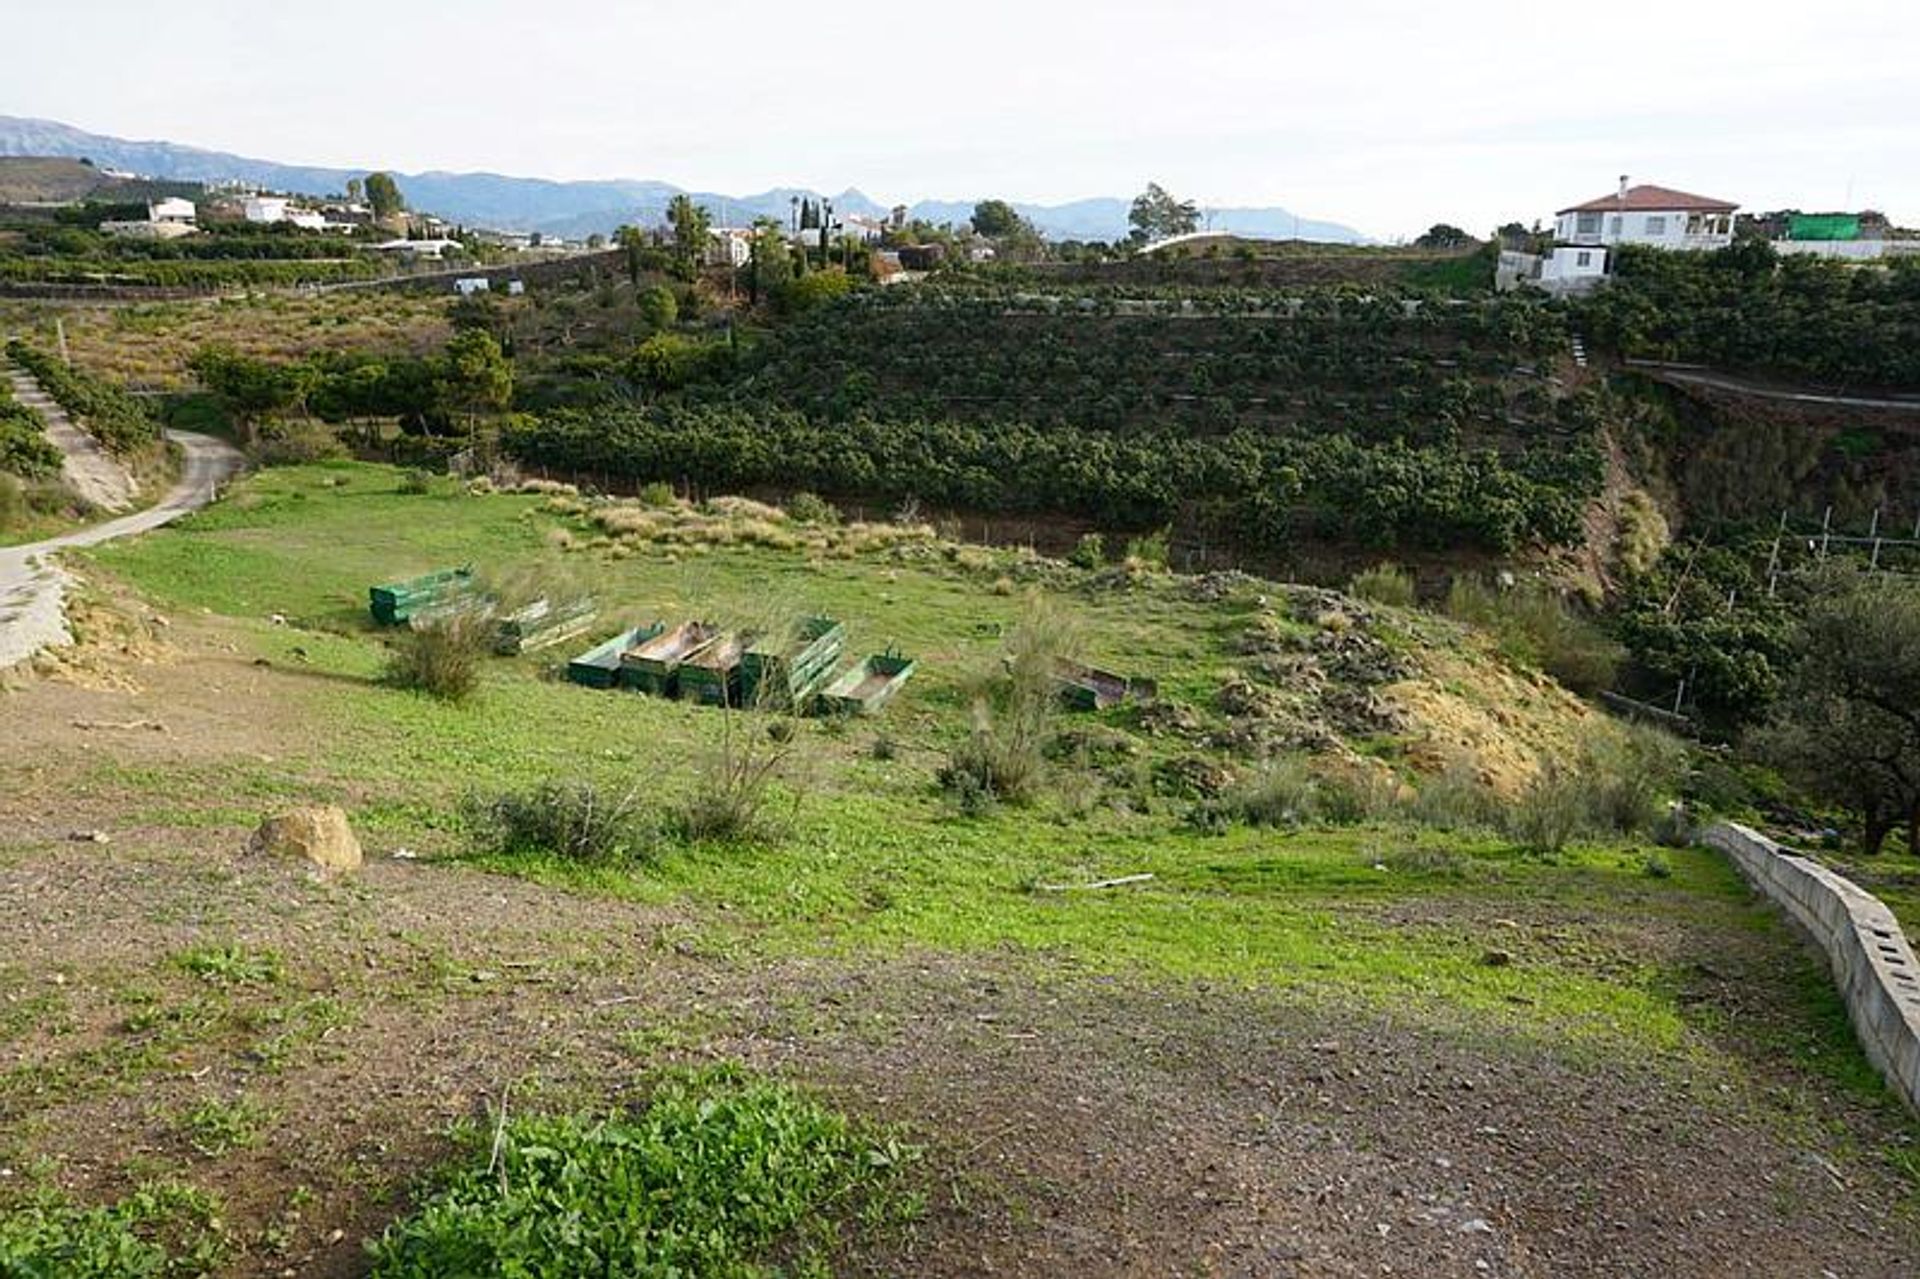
(1872, 964)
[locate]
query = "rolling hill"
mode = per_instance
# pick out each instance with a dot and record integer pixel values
(581, 208)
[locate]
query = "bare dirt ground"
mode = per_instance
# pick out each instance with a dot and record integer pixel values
(1075, 1123)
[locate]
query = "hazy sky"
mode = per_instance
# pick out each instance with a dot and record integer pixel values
(1385, 114)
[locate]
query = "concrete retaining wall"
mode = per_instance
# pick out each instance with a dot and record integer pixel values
(1872, 964)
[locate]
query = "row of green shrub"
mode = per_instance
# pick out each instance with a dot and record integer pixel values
(1747, 308)
(189, 274)
(25, 450)
(118, 420)
(1262, 489)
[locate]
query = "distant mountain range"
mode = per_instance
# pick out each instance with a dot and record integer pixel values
(577, 209)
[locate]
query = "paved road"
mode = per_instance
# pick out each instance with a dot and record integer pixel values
(88, 470)
(1697, 375)
(32, 587)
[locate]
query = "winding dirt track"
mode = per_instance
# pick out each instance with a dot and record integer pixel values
(32, 587)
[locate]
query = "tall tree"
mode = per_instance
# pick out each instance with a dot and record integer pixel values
(1443, 235)
(252, 391)
(633, 242)
(475, 375)
(1156, 215)
(383, 195)
(1848, 727)
(995, 219)
(771, 263)
(691, 226)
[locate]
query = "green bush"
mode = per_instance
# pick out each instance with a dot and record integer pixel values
(575, 820)
(1090, 552)
(25, 450)
(719, 1176)
(13, 501)
(442, 657)
(810, 508)
(298, 444)
(1551, 813)
(1384, 584)
(1150, 549)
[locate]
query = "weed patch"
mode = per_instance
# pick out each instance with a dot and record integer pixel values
(711, 1178)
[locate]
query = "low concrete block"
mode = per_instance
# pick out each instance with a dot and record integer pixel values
(1865, 948)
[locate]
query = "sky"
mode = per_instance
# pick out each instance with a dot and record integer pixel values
(1386, 115)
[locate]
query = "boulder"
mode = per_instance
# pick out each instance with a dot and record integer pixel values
(318, 834)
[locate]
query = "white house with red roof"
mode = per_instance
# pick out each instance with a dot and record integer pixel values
(1653, 216)
(1658, 217)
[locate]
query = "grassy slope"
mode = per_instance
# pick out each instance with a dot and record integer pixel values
(878, 858)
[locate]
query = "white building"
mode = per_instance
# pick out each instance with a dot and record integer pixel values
(434, 249)
(266, 208)
(730, 246)
(172, 209)
(468, 285)
(1584, 234)
(1658, 217)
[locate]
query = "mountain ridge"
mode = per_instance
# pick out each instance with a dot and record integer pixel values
(582, 207)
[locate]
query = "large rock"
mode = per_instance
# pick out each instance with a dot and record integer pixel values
(320, 835)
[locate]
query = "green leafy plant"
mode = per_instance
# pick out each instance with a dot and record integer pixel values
(232, 965)
(713, 1177)
(162, 1230)
(215, 1127)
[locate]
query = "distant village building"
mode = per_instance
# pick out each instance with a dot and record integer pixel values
(266, 209)
(432, 249)
(167, 219)
(468, 285)
(729, 246)
(172, 209)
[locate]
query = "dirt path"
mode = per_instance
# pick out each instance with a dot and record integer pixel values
(32, 587)
(88, 469)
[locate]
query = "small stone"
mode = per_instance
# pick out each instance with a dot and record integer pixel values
(1497, 958)
(1476, 1226)
(91, 837)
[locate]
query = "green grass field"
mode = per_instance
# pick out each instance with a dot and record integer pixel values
(878, 857)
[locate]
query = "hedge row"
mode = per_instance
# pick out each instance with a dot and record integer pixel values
(118, 420)
(1262, 489)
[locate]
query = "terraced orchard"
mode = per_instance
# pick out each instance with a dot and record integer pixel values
(1258, 420)
(1356, 947)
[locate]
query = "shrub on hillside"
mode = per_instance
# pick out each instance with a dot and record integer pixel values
(746, 788)
(574, 820)
(1383, 584)
(442, 657)
(1090, 552)
(1535, 627)
(297, 444)
(1003, 755)
(811, 508)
